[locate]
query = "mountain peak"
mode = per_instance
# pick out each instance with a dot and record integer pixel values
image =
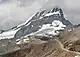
(55, 9)
(46, 18)
(58, 9)
(53, 20)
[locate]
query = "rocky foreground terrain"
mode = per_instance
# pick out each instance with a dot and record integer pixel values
(66, 45)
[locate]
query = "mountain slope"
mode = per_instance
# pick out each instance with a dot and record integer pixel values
(41, 18)
(54, 19)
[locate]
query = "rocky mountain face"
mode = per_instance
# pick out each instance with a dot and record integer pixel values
(40, 18)
(76, 26)
(51, 21)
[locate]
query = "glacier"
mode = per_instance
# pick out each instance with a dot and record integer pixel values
(50, 29)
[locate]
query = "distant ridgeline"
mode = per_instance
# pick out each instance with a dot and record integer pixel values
(42, 23)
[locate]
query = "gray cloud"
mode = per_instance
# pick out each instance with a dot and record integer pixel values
(14, 12)
(72, 8)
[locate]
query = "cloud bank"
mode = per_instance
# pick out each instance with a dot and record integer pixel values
(14, 12)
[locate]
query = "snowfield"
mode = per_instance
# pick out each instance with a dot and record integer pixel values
(50, 29)
(8, 34)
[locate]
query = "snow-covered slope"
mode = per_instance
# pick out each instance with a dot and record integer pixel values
(47, 30)
(41, 23)
(50, 29)
(8, 34)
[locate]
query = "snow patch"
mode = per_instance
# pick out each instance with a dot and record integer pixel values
(49, 14)
(57, 22)
(22, 41)
(50, 29)
(8, 34)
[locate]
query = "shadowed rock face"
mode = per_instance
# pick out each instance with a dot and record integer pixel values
(39, 19)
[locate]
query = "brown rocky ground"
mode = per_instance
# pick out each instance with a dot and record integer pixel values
(67, 45)
(51, 48)
(71, 40)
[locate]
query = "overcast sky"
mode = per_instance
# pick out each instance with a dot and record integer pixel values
(14, 12)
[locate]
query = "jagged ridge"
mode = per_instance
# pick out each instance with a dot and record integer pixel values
(35, 23)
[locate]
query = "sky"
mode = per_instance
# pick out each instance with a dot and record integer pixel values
(15, 12)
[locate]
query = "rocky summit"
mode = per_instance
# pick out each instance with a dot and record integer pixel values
(37, 22)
